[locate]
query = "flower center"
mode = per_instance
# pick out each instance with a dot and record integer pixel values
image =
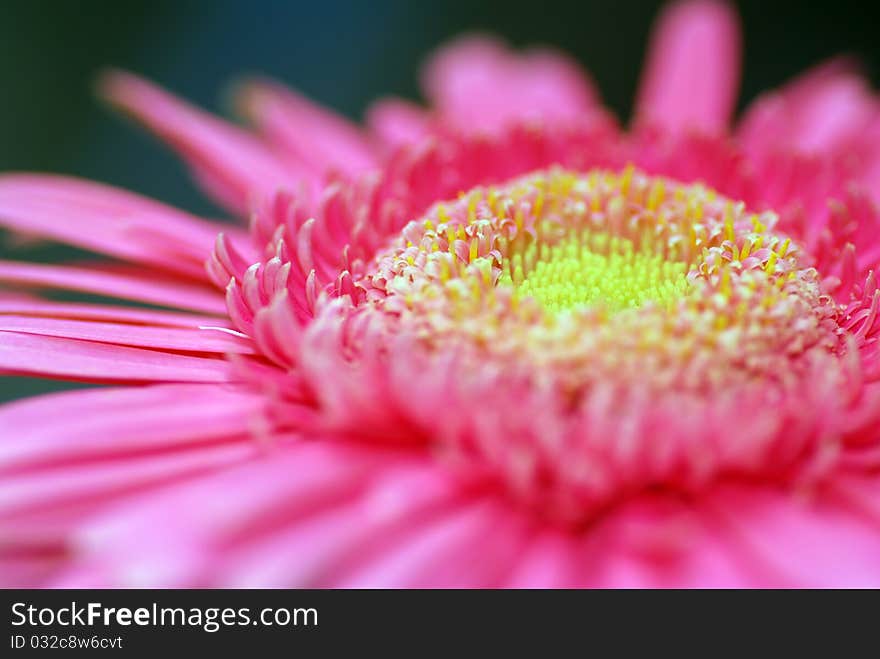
(581, 337)
(590, 269)
(596, 275)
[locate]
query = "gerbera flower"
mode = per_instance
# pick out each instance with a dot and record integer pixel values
(494, 341)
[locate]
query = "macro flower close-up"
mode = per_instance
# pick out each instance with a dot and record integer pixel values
(500, 338)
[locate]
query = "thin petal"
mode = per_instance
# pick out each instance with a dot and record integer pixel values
(552, 559)
(26, 354)
(806, 541)
(165, 338)
(317, 513)
(478, 83)
(35, 307)
(318, 138)
(234, 167)
(94, 483)
(313, 551)
(177, 537)
(664, 542)
(828, 107)
(27, 567)
(397, 122)
(106, 220)
(475, 544)
(95, 424)
(68, 455)
(126, 283)
(691, 77)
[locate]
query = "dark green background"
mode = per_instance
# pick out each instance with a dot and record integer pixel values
(341, 53)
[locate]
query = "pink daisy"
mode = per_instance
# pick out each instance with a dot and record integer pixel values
(495, 341)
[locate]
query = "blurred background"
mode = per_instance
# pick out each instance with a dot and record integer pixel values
(343, 53)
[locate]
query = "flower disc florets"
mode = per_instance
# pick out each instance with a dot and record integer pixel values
(605, 275)
(584, 336)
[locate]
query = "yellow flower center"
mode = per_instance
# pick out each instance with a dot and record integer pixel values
(607, 276)
(595, 269)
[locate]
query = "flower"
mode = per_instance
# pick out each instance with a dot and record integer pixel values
(497, 341)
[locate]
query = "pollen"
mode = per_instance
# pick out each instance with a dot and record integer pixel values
(597, 269)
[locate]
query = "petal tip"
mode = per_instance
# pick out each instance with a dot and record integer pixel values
(692, 70)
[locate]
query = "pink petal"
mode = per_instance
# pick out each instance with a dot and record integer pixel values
(179, 536)
(314, 136)
(100, 362)
(68, 455)
(234, 167)
(134, 284)
(477, 83)
(860, 494)
(664, 542)
(166, 338)
(474, 544)
(312, 551)
(73, 426)
(105, 220)
(691, 77)
(35, 307)
(828, 107)
(97, 482)
(552, 559)
(397, 122)
(27, 569)
(812, 540)
(315, 513)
